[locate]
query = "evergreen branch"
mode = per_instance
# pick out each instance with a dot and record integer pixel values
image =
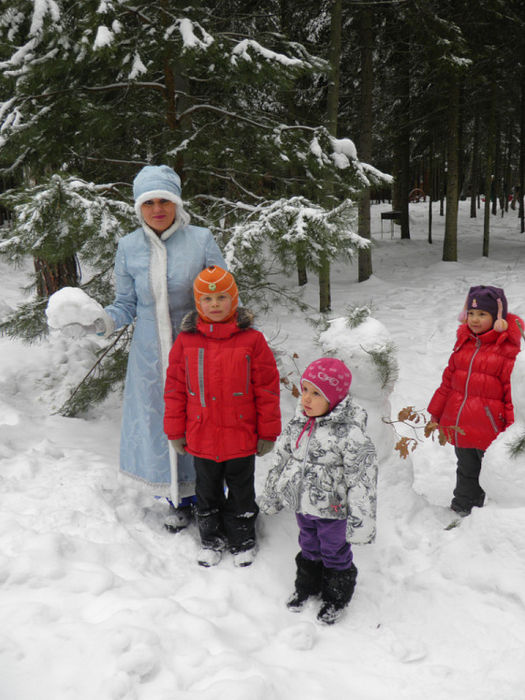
(224, 112)
(98, 88)
(93, 368)
(126, 86)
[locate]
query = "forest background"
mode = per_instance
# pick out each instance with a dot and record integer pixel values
(283, 119)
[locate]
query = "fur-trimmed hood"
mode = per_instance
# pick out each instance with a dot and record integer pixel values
(243, 319)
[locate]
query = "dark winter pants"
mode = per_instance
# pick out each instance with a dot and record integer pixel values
(226, 517)
(324, 539)
(468, 493)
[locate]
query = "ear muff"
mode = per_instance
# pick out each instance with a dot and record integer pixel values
(500, 324)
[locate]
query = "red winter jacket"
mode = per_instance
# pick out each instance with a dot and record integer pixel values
(475, 389)
(222, 388)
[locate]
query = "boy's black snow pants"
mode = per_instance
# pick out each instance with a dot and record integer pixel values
(226, 519)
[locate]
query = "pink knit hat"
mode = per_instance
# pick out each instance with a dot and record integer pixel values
(331, 376)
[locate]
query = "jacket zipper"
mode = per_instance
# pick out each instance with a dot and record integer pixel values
(491, 419)
(478, 345)
(306, 450)
(201, 377)
(247, 389)
(248, 371)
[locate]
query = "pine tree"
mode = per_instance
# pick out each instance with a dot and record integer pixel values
(98, 89)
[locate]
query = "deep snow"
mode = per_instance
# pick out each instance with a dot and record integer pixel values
(98, 601)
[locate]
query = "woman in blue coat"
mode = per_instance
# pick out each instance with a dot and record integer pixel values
(155, 267)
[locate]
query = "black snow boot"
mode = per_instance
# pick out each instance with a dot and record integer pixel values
(336, 592)
(307, 582)
(211, 530)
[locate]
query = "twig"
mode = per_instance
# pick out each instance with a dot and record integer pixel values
(97, 363)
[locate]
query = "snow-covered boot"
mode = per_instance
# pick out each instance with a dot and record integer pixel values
(336, 592)
(178, 518)
(307, 582)
(209, 557)
(211, 530)
(244, 557)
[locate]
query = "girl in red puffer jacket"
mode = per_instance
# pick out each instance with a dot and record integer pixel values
(222, 407)
(473, 403)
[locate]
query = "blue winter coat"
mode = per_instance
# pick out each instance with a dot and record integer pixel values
(143, 264)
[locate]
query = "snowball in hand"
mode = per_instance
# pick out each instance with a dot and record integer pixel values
(72, 305)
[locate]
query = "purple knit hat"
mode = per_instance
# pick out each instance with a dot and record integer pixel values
(486, 298)
(331, 376)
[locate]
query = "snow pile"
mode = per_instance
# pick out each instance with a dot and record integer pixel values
(72, 305)
(502, 475)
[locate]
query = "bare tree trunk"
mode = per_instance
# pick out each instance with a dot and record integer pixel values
(402, 146)
(365, 136)
(474, 178)
(489, 175)
(521, 212)
(431, 183)
(450, 241)
(496, 190)
(332, 109)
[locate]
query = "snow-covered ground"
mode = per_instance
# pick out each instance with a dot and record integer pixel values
(98, 601)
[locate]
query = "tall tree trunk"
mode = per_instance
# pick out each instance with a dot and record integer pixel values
(431, 183)
(402, 139)
(450, 241)
(521, 207)
(289, 98)
(474, 177)
(496, 189)
(489, 174)
(365, 136)
(332, 109)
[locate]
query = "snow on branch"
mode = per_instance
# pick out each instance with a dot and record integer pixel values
(296, 226)
(242, 50)
(40, 9)
(189, 37)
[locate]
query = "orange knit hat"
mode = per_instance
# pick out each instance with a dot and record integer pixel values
(213, 280)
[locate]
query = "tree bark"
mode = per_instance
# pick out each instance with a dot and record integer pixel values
(521, 212)
(365, 137)
(474, 176)
(450, 242)
(489, 166)
(402, 139)
(52, 276)
(332, 108)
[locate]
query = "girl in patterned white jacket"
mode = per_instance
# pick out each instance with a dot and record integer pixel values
(325, 469)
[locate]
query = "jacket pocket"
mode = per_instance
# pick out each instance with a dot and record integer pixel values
(247, 366)
(491, 419)
(188, 382)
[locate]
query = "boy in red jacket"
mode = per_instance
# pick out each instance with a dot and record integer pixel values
(473, 403)
(222, 406)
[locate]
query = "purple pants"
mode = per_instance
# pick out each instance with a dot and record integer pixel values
(324, 539)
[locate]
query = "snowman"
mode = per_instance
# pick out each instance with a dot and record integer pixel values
(502, 475)
(366, 347)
